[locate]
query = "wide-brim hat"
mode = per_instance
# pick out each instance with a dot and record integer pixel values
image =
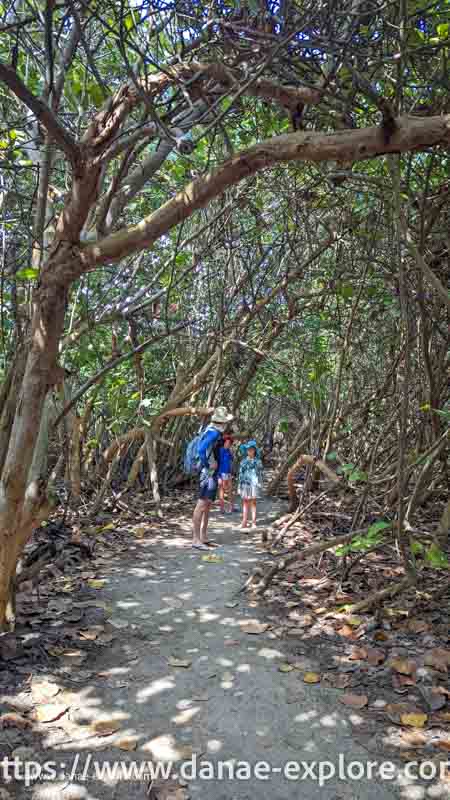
(221, 416)
(245, 447)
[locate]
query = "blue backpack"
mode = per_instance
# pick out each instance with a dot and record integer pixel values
(192, 463)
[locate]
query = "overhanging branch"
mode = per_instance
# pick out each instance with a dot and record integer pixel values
(42, 112)
(348, 145)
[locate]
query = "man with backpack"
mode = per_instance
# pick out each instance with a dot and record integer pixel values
(208, 448)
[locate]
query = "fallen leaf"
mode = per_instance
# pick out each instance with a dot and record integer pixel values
(91, 634)
(232, 604)
(50, 712)
(354, 621)
(255, 628)
(414, 720)
(434, 697)
(55, 651)
(406, 666)
(417, 626)
(96, 583)
(395, 710)
(381, 636)
(311, 677)
(109, 527)
(179, 662)
(347, 631)
(126, 743)
(105, 727)
(358, 653)
(414, 738)
(438, 659)
(12, 720)
(375, 657)
(354, 700)
(212, 559)
(301, 620)
(285, 668)
(74, 657)
(140, 530)
(443, 744)
(42, 690)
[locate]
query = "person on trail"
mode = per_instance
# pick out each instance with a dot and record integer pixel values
(208, 452)
(226, 473)
(250, 481)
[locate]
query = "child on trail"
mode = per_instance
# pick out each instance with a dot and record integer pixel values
(250, 481)
(226, 474)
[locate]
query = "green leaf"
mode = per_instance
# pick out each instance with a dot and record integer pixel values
(437, 557)
(358, 475)
(129, 21)
(27, 274)
(376, 527)
(332, 456)
(346, 291)
(416, 547)
(443, 30)
(95, 95)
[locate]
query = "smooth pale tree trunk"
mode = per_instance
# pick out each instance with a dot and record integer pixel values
(38, 467)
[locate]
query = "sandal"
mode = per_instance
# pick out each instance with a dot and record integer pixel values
(200, 546)
(211, 544)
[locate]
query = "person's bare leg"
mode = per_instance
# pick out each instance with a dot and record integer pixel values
(230, 494)
(197, 518)
(204, 523)
(222, 495)
(245, 513)
(253, 507)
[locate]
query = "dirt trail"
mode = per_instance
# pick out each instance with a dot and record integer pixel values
(230, 702)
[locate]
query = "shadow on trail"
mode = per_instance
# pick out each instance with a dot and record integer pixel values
(186, 669)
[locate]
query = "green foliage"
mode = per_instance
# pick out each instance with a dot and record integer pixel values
(372, 538)
(27, 274)
(436, 557)
(352, 473)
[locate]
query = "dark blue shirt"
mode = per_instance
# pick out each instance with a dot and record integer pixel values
(225, 461)
(206, 448)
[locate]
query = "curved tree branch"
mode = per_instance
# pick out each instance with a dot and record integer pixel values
(348, 145)
(43, 113)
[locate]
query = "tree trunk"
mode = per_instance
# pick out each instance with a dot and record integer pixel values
(23, 503)
(306, 459)
(153, 469)
(8, 401)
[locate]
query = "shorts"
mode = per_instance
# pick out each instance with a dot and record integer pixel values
(207, 488)
(224, 476)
